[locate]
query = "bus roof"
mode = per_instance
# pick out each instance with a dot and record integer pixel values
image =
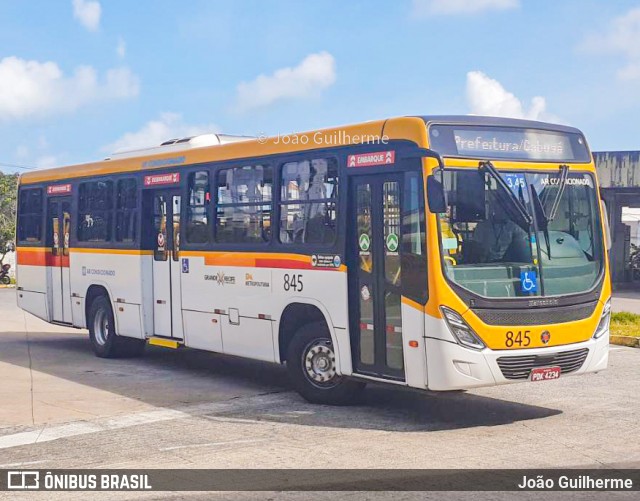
(408, 128)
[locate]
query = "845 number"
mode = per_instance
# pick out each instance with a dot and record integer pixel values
(519, 338)
(293, 282)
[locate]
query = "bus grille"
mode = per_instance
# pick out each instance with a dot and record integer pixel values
(520, 367)
(536, 316)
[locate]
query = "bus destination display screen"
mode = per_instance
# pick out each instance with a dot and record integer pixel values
(514, 143)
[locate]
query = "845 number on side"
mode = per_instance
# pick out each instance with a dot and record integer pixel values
(520, 339)
(293, 282)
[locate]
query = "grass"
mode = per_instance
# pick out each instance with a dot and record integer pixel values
(625, 324)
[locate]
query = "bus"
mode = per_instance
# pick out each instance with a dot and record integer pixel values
(432, 252)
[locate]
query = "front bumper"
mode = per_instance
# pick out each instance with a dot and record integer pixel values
(454, 367)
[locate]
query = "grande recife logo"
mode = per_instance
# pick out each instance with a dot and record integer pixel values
(370, 159)
(157, 179)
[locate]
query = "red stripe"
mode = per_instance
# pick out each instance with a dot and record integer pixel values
(282, 263)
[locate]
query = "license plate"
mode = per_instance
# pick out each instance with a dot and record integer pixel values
(545, 373)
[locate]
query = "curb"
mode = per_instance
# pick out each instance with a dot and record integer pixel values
(630, 341)
(12, 286)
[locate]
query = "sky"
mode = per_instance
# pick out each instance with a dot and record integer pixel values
(80, 79)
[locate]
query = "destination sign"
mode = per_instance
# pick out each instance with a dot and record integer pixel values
(503, 142)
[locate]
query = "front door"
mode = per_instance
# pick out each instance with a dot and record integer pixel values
(374, 275)
(167, 303)
(58, 234)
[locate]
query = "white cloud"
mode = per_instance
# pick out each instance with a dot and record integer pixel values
(427, 8)
(47, 161)
(32, 88)
(315, 73)
(155, 132)
(88, 13)
(622, 36)
(487, 96)
(121, 48)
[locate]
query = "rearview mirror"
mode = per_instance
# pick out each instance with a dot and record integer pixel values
(607, 229)
(436, 196)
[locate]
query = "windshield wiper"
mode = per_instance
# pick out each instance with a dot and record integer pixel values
(541, 214)
(520, 208)
(564, 174)
(542, 218)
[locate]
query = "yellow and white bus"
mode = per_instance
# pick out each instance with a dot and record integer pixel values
(435, 252)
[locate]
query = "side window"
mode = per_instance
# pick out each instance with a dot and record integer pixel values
(243, 211)
(126, 210)
(308, 201)
(95, 210)
(414, 258)
(30, 215)
(198, 226)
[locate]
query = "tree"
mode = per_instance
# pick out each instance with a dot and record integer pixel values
(8, 208)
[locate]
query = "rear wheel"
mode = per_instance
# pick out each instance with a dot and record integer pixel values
(6, 280)
(311, 363)
(104, 340)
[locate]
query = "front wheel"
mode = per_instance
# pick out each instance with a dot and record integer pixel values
(6, 280)
(102, 333)
(311, 364)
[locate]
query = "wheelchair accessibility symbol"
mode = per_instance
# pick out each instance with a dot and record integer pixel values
(529, 281)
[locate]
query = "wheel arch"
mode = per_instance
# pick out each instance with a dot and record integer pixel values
(301, 312)
(94, 291)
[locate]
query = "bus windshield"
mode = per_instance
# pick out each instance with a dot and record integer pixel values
(491, 250)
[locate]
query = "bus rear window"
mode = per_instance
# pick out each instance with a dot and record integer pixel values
(30, 216)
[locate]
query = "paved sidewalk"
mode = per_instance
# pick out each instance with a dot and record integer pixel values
(626, 301)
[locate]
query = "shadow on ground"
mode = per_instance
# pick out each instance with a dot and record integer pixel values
(177, 379)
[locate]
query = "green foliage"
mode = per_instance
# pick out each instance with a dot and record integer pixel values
(8, 201)
(624, 317)
(624, 323)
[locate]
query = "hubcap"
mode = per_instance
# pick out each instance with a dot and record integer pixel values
(101, 327)
(319, 363)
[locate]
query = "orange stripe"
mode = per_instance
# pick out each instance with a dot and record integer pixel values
(31, 257)
(38, 256)
(41, 256)
(129, 252)
(258, 260)
(412, 304)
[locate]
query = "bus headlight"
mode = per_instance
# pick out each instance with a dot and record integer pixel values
(603, 326)
(460, 329)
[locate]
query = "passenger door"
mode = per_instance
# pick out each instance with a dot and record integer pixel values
(58, 238)
(167, 299)
(375, 248)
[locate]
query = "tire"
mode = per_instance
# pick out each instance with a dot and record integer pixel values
(6, 280)
(311, 368)
(104, 340)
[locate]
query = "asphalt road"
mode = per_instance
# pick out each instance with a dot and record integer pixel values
(64, 408)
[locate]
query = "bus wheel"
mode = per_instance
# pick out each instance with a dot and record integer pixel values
(311, 363)
(104, 340)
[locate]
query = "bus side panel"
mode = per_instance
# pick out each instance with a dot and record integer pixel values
(34, 303)
(146, 274)
(325, 289)
(32, 283)
(118, 273)
(415, 363)
(248, 302)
